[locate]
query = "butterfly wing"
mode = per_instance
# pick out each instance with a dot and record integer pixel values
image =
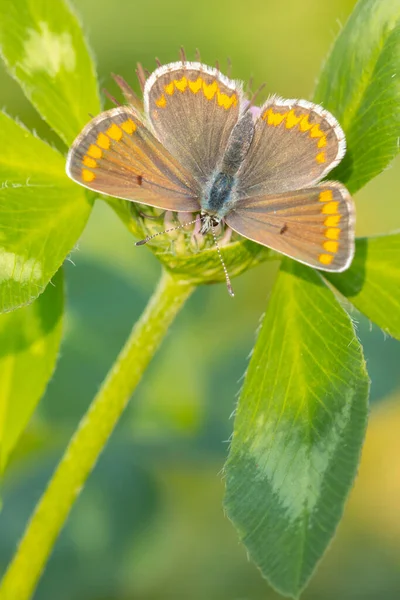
(295, 144)
(314, 226)
(117, 155)
(193, 109)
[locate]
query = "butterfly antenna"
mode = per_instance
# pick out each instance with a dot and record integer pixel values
(128, 92)
(141, 75)
(250, 84)
(228, 67)
(228, 281)
(150, 237)
(254, 96)
(110, 97)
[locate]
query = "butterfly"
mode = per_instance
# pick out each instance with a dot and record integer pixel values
(197, 145)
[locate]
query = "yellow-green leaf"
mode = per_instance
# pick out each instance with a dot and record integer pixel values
(298, 431)
(44, 49)
(360, 85)
(372, 283)
(42, 214)
(29, 343)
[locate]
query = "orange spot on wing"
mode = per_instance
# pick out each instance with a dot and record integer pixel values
(114, 132)
(169, 88)
(315, 131)
(320, 158)
(89, 162)
(226, 101)
(332, 221)
(273, 118)
(129, 126)
(325, 196)
(181, 84)
(304, 124)
(292, 119)
(325, 259)
(331, 246)
(330, 208)
(161, 102)
(332, 233)
(88, 176)
(103, 141)
(210, 90)
(94, 151)
(195, 86)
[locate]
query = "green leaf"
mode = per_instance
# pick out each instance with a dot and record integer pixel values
(43, 46)
(29, 343)
(372, 283)
(298, 431)
(42, 214)
(360, 85)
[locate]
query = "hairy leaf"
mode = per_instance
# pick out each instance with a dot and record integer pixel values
(43, 46)
(372, 283)
(29, 343)
(298, 431)
(42, 214)
(360, 85)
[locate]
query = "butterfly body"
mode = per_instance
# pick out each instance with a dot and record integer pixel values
(199, 147)
(220, 195)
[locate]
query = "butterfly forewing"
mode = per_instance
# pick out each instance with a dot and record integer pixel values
(296, 143)
(314, 226)
(193, 109)
(117, 155)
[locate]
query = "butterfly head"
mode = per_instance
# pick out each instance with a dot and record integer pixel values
(208, 222)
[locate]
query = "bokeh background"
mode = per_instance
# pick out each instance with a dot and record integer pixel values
(149, 524)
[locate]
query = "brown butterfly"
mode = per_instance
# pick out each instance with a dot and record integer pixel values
(199, 146)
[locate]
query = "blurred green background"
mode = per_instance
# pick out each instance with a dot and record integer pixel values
(149, 524)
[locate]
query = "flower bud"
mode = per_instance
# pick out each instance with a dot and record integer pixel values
(184, 251)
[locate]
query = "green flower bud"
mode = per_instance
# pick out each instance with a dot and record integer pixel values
(185, 252)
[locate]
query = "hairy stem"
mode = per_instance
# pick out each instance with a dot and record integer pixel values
(91, 436)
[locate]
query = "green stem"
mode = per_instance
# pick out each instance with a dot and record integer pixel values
(92, 434)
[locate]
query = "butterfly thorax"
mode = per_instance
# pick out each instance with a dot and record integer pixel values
(217, 201)
(220, 193)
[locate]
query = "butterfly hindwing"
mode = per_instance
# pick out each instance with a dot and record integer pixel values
(295, 144)
(193, 109)
(314, 226)
(117, 155)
